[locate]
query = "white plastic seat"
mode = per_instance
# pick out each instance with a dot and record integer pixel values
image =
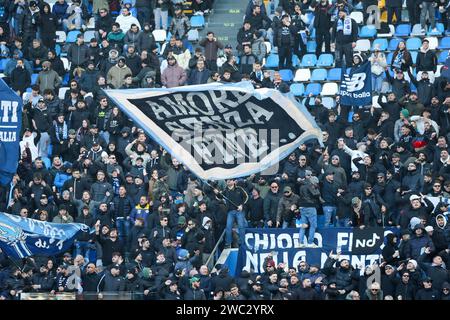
(62, 92)
(357, 16)
(66, 63)
(302, 75)
(60, 37)
(433, 42)
(362, 45)
(160, 35)
(330, 89)
(417, 30)
(387, 35)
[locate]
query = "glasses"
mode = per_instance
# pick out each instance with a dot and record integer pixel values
(191, 224)
(274, 187)
(302, 159)
(446, 289)
(437, 186)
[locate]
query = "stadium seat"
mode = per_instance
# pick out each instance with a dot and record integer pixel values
(309, 60)
(357, 16)
(297, 89)
(302, 75)
(369, 31)
(311, 46)
(66, 63)
(268, 47)
(362, 45)
(193, 35)
(334, 74)
(381, 43)
(417, 30)
(440, 30)
(309, 18)
(325, 60)
(34, 78)
(272, 61)
(375, 101)
(403, 30)
(88, 35)
(328, 102)
(313, 88)
(295, 61)
(313, 33)
(72, 36)
(414, 56)
(389, 34)
(438, 70)
(389, 58)
(330, 89)
(319, 75)
(443, 56)
(47, 162)
(433, 43)
(91, 23)
(65, 81)
(58, 50)
(197, 21)
(62, 92)
(3, 63)
(159, 35)
(413, 44)
(393, 44)
(286, 75)
(61, 37)
(445, 43)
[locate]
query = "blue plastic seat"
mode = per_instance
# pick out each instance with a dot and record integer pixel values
(314, 88)
(443, 56)
(272, 61)
(325, 60)
(197, 21)
(295, 60)
(58, 50)
(297, 89)
(369, 31)
(445, 43)
(34, 78)
(319, 75)
(3, 63)
(47, 162)
(413, 44)
(286, 75)
(334, 74)
(313, 33)
(403, 30)
(389, 57)
(393, 44)
(309, 60)
(414, 56)
(72, 36)
(311, 46)
(381, 43)
(440, 30)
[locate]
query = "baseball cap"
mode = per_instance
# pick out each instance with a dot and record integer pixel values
(72, 131)
(429, 228)
(414, 197)
(228, 46)
(287, 189)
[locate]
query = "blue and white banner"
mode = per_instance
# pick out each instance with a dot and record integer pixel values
(23, 237)
(356, 85)
(358, 246)
(221, 131)
(10, 126)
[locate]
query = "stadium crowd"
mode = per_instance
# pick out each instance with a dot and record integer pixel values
(82, 160)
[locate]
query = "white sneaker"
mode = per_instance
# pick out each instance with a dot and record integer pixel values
(302, 245)
(422, 30)
(435, 30)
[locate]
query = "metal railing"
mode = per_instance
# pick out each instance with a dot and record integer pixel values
(215, 253)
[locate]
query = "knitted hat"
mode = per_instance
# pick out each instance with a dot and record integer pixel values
(405, 113)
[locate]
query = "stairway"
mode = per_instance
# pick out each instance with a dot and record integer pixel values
(225, 20)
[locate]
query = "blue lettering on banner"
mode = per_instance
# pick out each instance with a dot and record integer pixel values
(284, 246)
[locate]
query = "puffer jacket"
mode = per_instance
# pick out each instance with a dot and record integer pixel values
(48, 79)
(418, 243)
(116, 75)
(180, 26)
(173, 76)
(284, 212)
(345, 278)
(99, 189)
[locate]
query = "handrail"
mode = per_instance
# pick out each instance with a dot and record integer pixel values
(213, 252)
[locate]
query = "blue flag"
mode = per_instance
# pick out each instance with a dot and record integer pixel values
(445, 71)
(356, 85)
(23, 237)
(10, 125)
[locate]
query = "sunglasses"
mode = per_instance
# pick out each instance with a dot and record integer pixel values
(274, 187)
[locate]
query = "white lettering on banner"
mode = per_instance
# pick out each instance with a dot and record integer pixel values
(8, 136)
(6, 107)
(272, 241)
(356, 82)
(367, 243)
(255, 261)
(344, 239)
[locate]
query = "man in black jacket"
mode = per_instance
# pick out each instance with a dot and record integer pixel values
(344, 35)
(236, 198)
(322, 23)
(309, 201)
(285, 43)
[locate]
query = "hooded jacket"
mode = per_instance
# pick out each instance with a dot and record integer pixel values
(116, 75)
(426, 60)
(173, 76)
(417, 243)
(48, 79)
